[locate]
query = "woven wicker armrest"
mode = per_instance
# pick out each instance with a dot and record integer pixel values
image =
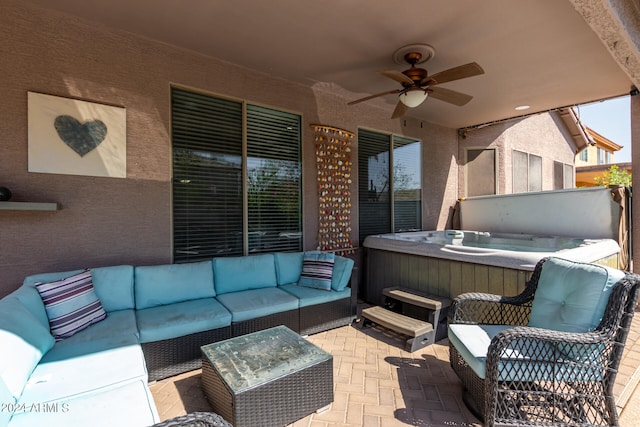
(489, 309)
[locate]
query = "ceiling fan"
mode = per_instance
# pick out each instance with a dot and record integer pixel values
(417, 84)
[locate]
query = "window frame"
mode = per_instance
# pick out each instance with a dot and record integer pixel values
(244, 166)
(391, 146)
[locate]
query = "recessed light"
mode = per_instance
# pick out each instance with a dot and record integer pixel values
(523, 107)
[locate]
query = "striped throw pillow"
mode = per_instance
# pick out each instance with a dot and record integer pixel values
(71, 304)
(317, 270)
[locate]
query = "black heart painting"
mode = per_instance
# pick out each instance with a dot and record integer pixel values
(80, 137)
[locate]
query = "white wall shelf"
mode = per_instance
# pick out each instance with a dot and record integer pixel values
(28, 206)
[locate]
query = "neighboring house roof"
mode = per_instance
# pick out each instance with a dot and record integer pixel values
(602, 141)
(578, 132)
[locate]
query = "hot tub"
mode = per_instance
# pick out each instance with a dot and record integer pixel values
(450, 262)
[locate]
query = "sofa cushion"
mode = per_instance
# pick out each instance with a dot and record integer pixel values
(342, 269)
(7, 400)
(255, 303)
(288, 267)
(572, 296)
(182, 318)
(71, 304)
(310, 296)
(233, 274)
(105, 354)
(29, 296)
(123, 404)
(24, 341)
(166, 284)
(114, 287)
(317, 270)
(119, 329)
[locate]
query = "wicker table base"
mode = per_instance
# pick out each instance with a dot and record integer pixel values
(267, 378)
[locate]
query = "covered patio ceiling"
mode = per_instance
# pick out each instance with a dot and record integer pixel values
(540, 53)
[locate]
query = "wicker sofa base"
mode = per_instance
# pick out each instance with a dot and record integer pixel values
(277, 403)
(322, 317)
(174, 356)
(290, 319)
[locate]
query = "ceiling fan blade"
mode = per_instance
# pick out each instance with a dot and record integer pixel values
(450, 96)
(456, 73)
(366, 98)
(399, 110)
(397, 76)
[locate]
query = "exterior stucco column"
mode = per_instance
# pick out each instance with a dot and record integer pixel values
(635, 159)
(617, 24)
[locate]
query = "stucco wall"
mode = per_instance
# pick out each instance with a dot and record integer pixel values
(543, 135)
(106, 221)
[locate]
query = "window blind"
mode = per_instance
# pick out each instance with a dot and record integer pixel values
(407, 184)
(207, 176)
(374, 203)
(274, 180)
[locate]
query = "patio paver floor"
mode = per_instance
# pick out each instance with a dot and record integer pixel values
(377, 383)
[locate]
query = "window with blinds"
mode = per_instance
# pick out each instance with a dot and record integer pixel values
(209, 203)
(389, 183)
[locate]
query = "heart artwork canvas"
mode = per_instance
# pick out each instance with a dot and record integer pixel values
(75, 137)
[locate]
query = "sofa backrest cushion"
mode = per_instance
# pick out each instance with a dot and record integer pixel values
(23, 340)
(288, 267)
(234, 274)
(28, 295)
(165, 284)
(113, 285)
(572, 296)
(342, 269)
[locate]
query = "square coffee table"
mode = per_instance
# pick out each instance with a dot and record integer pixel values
(267, 378)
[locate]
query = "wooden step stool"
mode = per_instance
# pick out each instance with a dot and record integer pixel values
(420, 316)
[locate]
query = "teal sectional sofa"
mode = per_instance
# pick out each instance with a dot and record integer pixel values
(157, 319)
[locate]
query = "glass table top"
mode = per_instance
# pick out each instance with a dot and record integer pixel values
(250, 360)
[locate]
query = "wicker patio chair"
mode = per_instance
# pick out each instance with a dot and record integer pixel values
(549, 356)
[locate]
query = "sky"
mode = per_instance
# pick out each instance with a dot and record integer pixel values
(612, 120)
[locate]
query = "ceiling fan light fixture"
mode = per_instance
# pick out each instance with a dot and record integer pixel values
(413, 97)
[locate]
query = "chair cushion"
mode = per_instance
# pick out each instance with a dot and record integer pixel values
(518, 363)
(170, 283)
(288, 267)
(472, 342)
(342, 269)
(572, 296)
(182, 318)
(24, 341)
(317, 270)
(233, 274)
(246, 305)
(71, 304)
